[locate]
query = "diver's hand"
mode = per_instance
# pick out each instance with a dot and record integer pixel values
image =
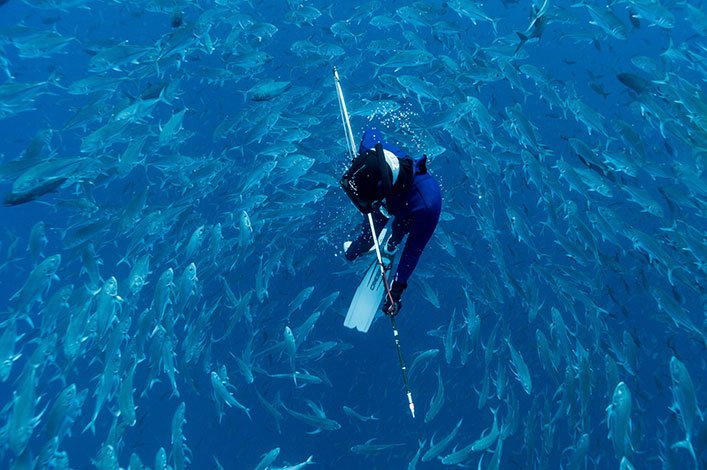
(396, 291)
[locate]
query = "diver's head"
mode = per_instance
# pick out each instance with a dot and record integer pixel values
(370, 178)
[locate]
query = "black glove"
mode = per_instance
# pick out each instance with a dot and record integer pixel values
(396, 290)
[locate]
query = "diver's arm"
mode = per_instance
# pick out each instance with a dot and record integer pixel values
(364, 241)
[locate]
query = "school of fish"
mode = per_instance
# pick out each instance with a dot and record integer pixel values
(173, 284)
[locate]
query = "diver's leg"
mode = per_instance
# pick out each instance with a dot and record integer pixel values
(401, 227)
(421, 231)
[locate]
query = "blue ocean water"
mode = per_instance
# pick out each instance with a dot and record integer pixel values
(572, 239)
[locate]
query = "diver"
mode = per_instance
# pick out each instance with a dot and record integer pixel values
(385, 181)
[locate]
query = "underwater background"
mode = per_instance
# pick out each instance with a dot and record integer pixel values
(172, 213)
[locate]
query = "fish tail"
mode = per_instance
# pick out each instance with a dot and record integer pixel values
(494, 25)
(162, 97)
(686, 444)
(91, 426)
(54, 78)
(523, 39)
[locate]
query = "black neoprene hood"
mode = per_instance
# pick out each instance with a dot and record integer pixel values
(368, 179)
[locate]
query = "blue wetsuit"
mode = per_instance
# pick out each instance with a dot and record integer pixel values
(416, 212)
